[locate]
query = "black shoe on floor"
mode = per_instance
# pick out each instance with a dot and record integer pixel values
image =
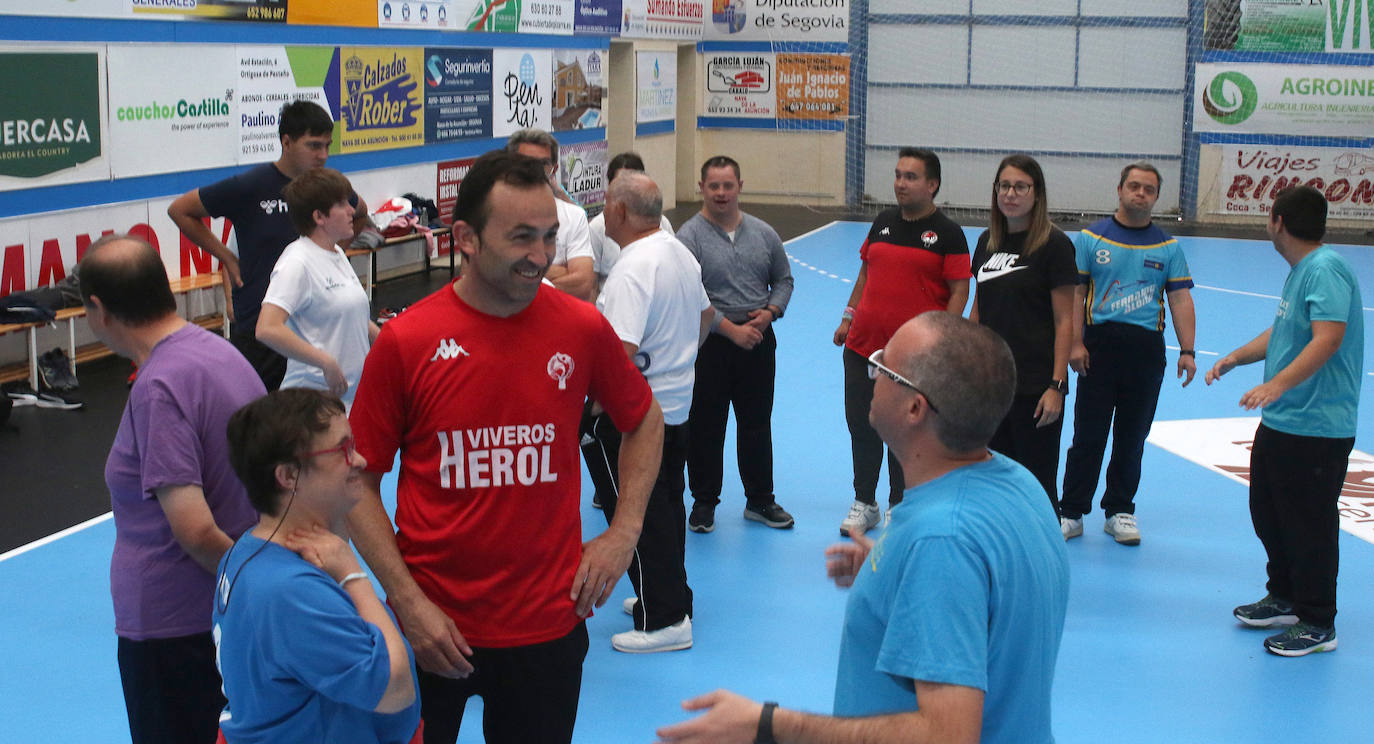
(702, 519)
(57, 387)
(770, 514)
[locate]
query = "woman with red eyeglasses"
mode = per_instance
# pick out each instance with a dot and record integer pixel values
(307, 651)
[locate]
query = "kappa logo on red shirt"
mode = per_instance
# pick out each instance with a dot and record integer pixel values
(929, 238)
(448, 349)
(560, 368)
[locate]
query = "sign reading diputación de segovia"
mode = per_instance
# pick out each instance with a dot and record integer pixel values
(381, 102)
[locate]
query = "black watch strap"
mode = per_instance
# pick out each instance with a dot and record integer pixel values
(1061, 385)
(765, 733)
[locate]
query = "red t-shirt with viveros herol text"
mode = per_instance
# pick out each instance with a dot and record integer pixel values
(485, 413)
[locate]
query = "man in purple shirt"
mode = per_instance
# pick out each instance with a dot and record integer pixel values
(177, 504)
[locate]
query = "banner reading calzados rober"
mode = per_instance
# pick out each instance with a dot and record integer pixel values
(381, 103)
(1292, 100)
(1252, 175)
(813, 86)
(663, 19)
(778, 20)
(48, 139)
(740, 85)
(172, 108)
(522, 79)
(271, 77)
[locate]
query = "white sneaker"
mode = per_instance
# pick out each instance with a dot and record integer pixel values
(862, 517)
(672, 638)
(1071, 527)
(629, 605)
(1122, 528)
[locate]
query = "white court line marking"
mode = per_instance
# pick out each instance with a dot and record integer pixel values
(54, 537)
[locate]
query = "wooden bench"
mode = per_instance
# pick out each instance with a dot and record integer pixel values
(440, 236)
(181, 287)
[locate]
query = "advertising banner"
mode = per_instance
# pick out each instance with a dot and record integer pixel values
(1252, 175)
(457, 94)
(57, 241)
(522, 79)
(48, 139)
(597, 17)
(381, 103)
(490, 15)
(740, 85)
(547, 17)
(1289, 25)
(813, 86)
(361, 13)
(579, 85)
(172, 108)
(269, 78)
(14, 256)
(582, 171)
(269, 11)
(778, 20)
(663, 19)
(656, 86)
(1293, 100)
(76, 8)
(431, 14)
(450, 176)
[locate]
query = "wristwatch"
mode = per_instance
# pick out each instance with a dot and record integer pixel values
(765, 733)
(1061, 385)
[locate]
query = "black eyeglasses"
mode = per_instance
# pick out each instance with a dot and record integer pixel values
(1007, 187)
(875, 366)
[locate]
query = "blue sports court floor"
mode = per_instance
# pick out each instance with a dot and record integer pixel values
(1150, 652)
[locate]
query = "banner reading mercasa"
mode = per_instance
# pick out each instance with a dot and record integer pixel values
(740, 85)
(778, 20)
(269, 11)
(813, 86)
(1318, 100)
(457, 94)
(1289, 25)
(45, 138)
(381, 104)
(432, 14)
(582, 172)
(1252, 175)
(172, 108)
(663, 19)
(271, 77)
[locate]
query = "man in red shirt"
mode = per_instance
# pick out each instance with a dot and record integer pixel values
(480, 387)
(915, 259)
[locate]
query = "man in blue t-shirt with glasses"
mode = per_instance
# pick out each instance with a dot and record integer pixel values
(1312, 356)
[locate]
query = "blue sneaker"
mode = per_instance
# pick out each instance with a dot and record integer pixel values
(1269, 612)
(1301, 639)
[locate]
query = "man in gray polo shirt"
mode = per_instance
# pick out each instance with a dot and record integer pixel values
(745, 271)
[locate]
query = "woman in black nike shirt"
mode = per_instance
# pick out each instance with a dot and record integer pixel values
(1025, 274)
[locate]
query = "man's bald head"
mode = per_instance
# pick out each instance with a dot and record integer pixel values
(127, 275)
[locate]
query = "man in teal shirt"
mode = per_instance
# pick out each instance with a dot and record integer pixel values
(1312, 370)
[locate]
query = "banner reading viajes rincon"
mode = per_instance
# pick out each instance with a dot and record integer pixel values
(49, 139)
(1293, 100)
(1252, 175)
(381, 103)
(1289, 25)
